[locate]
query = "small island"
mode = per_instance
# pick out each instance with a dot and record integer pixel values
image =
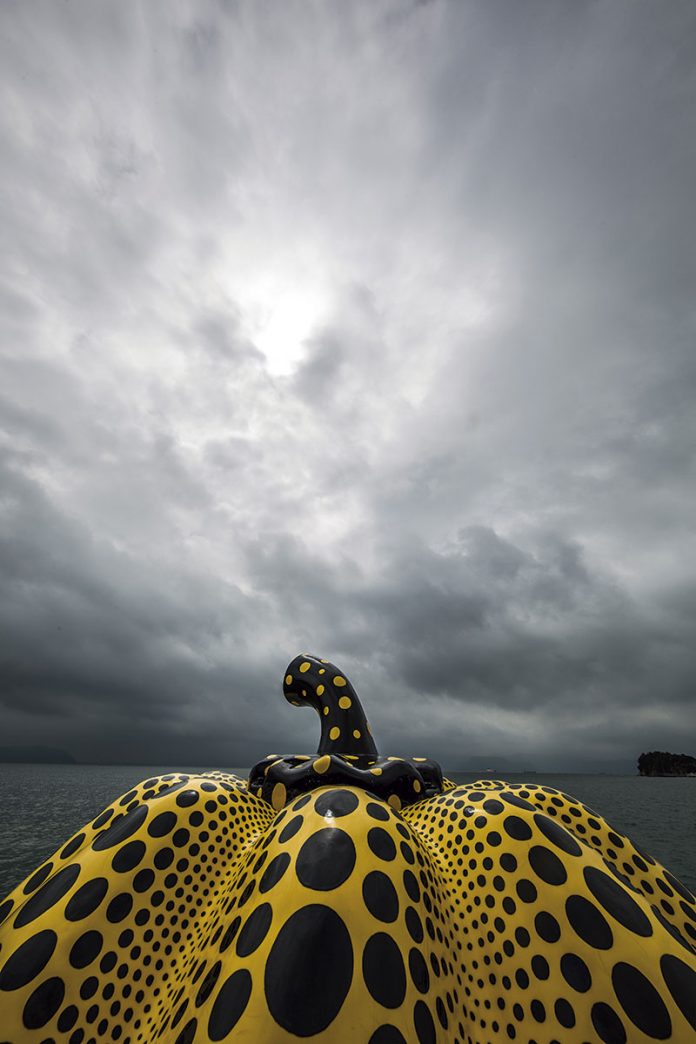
(660, 763)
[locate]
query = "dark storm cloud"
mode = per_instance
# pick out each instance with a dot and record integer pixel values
(365, 330)
(92, 645)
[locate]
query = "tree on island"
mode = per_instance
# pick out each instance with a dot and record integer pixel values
(660, 763)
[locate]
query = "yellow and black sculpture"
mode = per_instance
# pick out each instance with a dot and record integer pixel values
(345, 897)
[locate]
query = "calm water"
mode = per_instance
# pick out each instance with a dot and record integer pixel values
(42, 805)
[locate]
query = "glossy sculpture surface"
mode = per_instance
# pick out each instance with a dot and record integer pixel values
(192, 910)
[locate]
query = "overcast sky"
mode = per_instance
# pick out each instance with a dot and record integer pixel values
(362, 329)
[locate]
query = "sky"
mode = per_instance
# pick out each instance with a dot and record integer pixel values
(365, 330)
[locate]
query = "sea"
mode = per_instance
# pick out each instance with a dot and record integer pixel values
(42, 805)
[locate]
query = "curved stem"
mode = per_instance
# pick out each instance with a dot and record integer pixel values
(317, 683)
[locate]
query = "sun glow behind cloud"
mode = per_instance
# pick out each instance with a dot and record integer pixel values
(281, 313)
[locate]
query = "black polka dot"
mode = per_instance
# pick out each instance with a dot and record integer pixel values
(689, 911)
(37, 878)
(522, 936)
(164, 858)
(48, 895)
(383, 970)
(230, 933)
(641, 1001)
(230, 1004)
(187, 798)
(200, 968)
(615, 899)
(128, 857)
(607, 1024)
(526, 890)
(419, 970)
(274, 871)
(143, 880)
(588, 923)
(312, 933)
(188, 1033)
(85, 949)
(538, 1010)
(547, 927)
(547, 865)
(414, 925)
(663, 886)
(68, 1018)
(540, 967)
(180, 837)
(493, 807)
(72, 846)
(516, 828)
(380, 896)
(411, 885)
(43, 1003)
(290, 829)
(575, 972)
(509, 905)
(208, 984)
(564, 1013)
(407, 851)
(246, 894)
(377, 811)
(557, 834)
(681, 983)
(381, 843)
(336, 803)
(326, 859)
(28, 960)
(162, 824)
(89, 987)
(387, 1034)
(258, 865)
(86, 899)
(119, 907)
(121, 829)
(255, 930)
(423, 1022)
(179, 1014)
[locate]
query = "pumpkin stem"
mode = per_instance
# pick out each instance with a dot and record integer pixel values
(317, 683)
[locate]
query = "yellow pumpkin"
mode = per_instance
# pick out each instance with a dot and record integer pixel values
(201, 908)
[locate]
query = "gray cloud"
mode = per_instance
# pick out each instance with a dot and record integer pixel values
(362, 330)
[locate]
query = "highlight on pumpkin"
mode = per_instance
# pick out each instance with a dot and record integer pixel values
(310, 903)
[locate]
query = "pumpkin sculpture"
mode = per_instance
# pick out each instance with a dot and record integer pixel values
(347, 898)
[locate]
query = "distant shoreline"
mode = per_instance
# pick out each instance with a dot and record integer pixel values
(667, 775)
